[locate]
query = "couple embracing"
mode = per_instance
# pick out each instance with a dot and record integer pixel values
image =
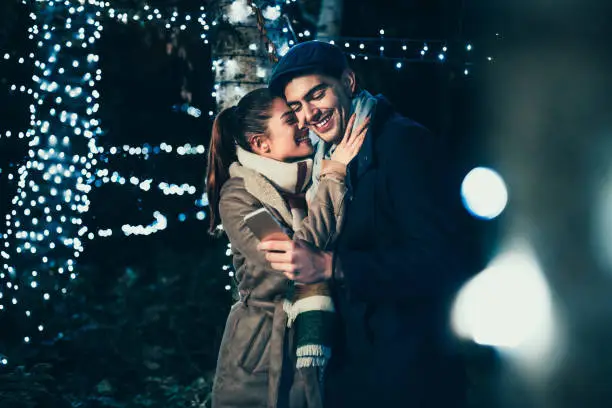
(351, 310)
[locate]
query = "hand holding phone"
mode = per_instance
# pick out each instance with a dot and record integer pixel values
(265, 226)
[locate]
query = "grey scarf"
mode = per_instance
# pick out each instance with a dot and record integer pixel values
(364, 106)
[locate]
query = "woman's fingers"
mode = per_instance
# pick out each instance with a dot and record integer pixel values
(276, 245)
(349, 129)
(358, 142)
(363, 127)
(358, 138)
(283, 267)
(279, 257)
(287, 269)
(353, 139)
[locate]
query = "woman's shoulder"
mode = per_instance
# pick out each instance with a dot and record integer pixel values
(235, 189)
(232, 184)
(235, 202)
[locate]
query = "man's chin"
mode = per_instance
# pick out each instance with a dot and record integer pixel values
(329, 136)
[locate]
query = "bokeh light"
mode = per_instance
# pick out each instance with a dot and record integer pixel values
(484, 193)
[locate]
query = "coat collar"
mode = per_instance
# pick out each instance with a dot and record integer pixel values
(263, 190)
(365, 157)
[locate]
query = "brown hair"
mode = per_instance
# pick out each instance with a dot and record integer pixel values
(233, 127)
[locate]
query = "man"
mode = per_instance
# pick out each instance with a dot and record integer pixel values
(394, 270)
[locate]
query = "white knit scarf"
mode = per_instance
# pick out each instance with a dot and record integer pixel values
(290, 178)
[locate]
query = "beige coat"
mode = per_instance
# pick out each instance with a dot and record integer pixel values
(253, 355)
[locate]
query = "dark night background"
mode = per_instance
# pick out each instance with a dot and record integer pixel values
(145, 319)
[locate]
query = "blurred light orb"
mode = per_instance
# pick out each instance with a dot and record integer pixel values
(484, 193)
(507, 305)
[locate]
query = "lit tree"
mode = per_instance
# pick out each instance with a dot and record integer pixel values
(45, 227)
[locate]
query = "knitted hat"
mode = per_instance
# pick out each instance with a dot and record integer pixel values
(306, 58)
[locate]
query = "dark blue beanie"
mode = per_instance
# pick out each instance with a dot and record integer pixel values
(307, 58)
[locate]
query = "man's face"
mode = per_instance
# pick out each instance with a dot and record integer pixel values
(322, 103)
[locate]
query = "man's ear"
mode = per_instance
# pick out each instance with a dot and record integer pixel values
(349, 82)
(259, 144)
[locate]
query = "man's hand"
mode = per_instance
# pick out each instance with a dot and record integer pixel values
(299, 261)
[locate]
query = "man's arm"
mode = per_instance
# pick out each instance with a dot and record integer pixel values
(298, 260)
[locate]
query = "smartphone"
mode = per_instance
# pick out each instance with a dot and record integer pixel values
(265, 226)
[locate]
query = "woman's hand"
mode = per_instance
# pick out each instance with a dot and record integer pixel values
(351, 142)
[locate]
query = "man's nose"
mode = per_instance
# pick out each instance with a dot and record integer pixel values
(311, 114)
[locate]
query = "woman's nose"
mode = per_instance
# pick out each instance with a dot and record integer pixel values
(302, 118)
(302, 124)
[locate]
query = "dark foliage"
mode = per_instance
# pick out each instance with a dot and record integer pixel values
(148, 340)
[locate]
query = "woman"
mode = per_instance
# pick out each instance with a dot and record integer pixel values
(259, 158)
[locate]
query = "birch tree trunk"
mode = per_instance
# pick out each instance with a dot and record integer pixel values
(240, 56)
(329, 24)
(241, 61)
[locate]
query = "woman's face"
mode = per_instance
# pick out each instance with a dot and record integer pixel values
(285, 141)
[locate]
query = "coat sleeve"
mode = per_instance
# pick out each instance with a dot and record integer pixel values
(235, 203)
(318, 228)
(419, 264)
(326, 210)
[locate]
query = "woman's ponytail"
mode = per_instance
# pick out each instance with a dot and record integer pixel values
(221, 154)
(230, 129)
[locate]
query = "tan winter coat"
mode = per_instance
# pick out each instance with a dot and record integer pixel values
(253, 355)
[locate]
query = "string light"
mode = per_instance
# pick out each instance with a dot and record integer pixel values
(171, 20)
(159, 224)
(146, 150)
(401, 51)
